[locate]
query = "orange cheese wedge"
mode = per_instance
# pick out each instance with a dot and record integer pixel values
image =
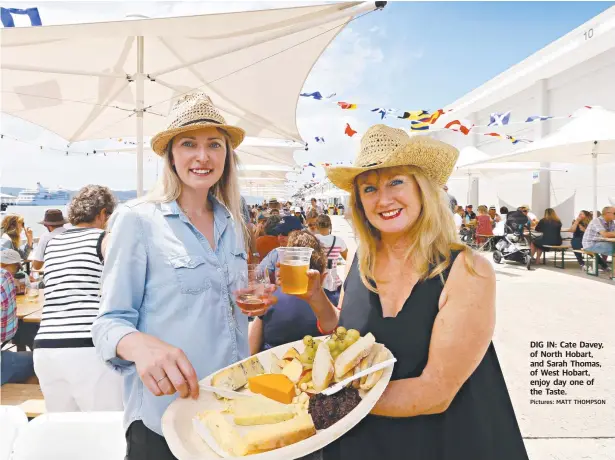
(274, 386)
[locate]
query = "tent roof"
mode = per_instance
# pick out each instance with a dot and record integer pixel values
(79, 80)
(573, 142)
(568, 51)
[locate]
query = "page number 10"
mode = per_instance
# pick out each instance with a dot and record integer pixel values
(588, 34)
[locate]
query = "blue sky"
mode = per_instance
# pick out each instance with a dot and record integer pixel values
(424, 55)
(411, 55)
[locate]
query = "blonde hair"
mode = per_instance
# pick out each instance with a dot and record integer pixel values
(226, 190)
(432, 236)
(10, 226)
(483, 209)
(550, 214)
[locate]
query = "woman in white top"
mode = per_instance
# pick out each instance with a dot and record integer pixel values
(71, 376)
(334, 246)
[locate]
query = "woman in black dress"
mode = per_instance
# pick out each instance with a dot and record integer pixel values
(551, 228)
(429, 300)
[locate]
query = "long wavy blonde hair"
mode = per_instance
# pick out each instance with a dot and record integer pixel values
(432, 236)
(226, 190)
(11, 226)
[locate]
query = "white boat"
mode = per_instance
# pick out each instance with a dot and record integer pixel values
(41, 196)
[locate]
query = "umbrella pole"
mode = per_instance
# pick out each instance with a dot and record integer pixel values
(469, 188)
(139, 78)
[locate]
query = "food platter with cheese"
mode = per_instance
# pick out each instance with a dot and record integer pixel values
(286, 416)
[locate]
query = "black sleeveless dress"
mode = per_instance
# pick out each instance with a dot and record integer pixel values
(480, 422)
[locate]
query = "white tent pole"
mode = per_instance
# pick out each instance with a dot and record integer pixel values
(352, 11)
(595, 176)
(139, 79)
(469, 188)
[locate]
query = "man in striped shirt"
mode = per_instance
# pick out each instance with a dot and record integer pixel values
(16, 367)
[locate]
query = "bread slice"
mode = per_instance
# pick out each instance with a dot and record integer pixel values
(368, 361)
(279, 435)
(373, 378)
(353, 355)
(323, 368)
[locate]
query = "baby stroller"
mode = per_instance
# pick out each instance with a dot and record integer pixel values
(512, 246)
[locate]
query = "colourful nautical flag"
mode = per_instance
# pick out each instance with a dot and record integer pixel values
(499, 119)
(316, 95)
(537, 118)
(383, 112)
(6, 15)
(461, 126)
(349, 131)
(492, 134)
(434, 116)
(419, 126)
(347, 106)
(311, 164)
(320, 139)
(415, 115)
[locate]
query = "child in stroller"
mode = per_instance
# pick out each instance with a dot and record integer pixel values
(512, 246)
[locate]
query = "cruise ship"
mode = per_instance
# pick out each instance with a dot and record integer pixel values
(41, 196)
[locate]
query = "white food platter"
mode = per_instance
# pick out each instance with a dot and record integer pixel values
(186, 444)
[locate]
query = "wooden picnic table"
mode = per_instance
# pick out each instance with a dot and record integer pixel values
(26, 308)
(27, 396)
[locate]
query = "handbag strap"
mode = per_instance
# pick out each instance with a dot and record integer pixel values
(331, 248)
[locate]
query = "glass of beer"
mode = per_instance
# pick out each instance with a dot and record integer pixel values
(294, 264)
(253, 290)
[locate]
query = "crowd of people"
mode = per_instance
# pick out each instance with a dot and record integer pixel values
(587, 233)
(139, 297)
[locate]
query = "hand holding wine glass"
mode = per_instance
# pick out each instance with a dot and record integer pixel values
(254, 296)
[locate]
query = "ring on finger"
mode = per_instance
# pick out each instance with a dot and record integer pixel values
(158, 381)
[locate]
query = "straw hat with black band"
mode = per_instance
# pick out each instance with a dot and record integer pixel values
(385, 147)
(192, 112)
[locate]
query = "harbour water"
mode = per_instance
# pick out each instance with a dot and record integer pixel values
(33, 215)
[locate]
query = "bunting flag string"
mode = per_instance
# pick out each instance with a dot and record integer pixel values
(420, 120)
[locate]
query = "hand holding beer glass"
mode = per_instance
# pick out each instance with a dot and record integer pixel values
(254, 293)
(294, 265)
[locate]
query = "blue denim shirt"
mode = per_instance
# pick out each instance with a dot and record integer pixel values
(162, 278)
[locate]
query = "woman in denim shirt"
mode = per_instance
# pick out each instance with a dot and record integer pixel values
(172, 263)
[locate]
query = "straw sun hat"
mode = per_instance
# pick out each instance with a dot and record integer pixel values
(191, 112)
(383, 147)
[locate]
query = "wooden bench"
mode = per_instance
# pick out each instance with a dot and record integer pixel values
(27, 396)
(557, 250)
(586, 255)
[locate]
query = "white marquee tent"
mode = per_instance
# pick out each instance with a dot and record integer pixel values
(119, 79)
(589, 138)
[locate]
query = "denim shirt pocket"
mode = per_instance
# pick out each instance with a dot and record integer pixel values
(237, 267)
(191, 272)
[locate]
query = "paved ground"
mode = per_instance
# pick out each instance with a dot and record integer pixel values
(549, 304)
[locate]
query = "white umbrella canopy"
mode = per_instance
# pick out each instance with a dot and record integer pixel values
(472, 163)
(588, 138)
(115, 79)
